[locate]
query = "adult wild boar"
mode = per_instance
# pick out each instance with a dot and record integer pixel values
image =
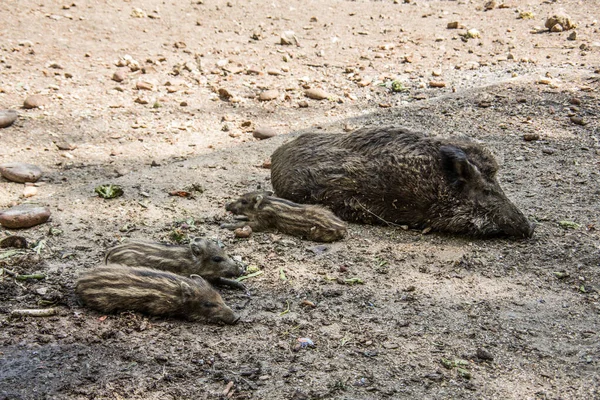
(396, 176)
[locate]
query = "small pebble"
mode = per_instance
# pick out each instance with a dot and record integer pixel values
(529, 137)
(303, 104)
(18, 242)
(7, 117)
(243, 232)
(20, 172)
(29, 191)
(119, 76)
(141, 85)
(317, 94)
(483, 354)
(24, 216)
(264, 133)
(578, 120)
(572, 36)
(437, 84)
(453, 25)
(575, 101)
(288, 38)
(560, 19)
(35, 101)
(268, 95)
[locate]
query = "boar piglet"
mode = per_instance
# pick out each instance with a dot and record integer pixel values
(267, 212)
(392, 175)
(202, 257)
(119, 288)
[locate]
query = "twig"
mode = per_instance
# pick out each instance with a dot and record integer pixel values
(32, 276)
(44, 312)
(375, 215)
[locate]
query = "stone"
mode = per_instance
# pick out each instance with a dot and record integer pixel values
(29, 191)
(35, 101)
(556, 28)
(454, 25)
(561, 19)
(289, 38)
(119, 75)
(141, 85)
(437, 84)
(530, 137)
(24, 216)
(572, 36)
(20, 172)
(243, 232)
(7, 117)
(317, 94)
(268, 95)
(264, 133)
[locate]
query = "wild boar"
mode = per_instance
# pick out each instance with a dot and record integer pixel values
(118, 288)
(202, 257)
(390, 175)
(268, 212)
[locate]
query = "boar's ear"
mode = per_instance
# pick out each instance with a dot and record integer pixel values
(186, 290)
(198, 279)
(456, 165)
(198, 246)
(259, 199)
(268, 193)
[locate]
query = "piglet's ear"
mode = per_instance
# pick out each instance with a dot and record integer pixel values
(456, 165)
(186, 290)
(259, 200)
(198, 246)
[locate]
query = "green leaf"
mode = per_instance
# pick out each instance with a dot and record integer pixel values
(109, 191)
(252, 275)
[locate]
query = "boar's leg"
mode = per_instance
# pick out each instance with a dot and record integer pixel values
(229, 282)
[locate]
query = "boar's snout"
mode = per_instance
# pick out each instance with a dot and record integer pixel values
(518, 226)
(227, 316)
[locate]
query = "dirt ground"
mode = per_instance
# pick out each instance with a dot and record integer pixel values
(436, 317)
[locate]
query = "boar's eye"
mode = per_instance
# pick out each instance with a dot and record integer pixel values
(217, 259)
(208, 304)
(244, 201)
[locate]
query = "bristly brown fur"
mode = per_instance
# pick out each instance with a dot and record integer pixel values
(267, 212)
(393, 175)
(117, 288)
(202, 257)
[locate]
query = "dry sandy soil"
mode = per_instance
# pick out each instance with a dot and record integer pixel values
(436, 317)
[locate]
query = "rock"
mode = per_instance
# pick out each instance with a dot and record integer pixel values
(556, 28)
(224, 94)
(18, 242)
(141, 85)
(242, 232)
(119, 75)
(572, 36)
(529, 137)
(35, 101)
(473, 34)
(437, 84)
(268, 95)
(29, 191)
(24, 216)
(20, 172)
(561, 19)
(317, 94)
(490, 5)
(64, 145)
(578, 120)
(141, 100)
(264, 133)
(303, 104)
(575, 101)
(453, 25)
(483, 354)
(7, 117)
(289, 38)
(274, 72)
